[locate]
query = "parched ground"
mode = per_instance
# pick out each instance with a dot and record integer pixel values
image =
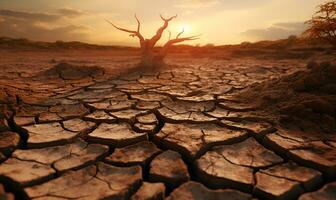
(89, 125)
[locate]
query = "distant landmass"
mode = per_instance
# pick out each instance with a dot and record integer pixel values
(290, 42)
(290, 48)
(22, 43)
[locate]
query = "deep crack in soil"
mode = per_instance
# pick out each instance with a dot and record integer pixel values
(178, 132)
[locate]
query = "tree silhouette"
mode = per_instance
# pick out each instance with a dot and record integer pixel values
(323, 24)
(148, 56)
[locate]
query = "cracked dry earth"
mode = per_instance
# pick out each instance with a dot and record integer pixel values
(172, 133)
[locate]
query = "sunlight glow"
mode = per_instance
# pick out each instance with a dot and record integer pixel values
(185, 27)
(218, 21)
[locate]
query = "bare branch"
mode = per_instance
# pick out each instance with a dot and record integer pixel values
(170, 43)
(168, 19)
(180, 33)
(159, 32)
(136, 17)
(133, 33)
(178, 40)
(169, 35)
(121, 29)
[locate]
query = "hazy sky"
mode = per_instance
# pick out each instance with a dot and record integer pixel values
(219, 21)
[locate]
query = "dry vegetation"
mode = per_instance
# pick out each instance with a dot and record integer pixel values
(322, 26)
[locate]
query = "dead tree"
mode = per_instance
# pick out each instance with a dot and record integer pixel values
(148, 56)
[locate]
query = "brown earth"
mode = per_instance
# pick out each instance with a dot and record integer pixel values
(90, 124)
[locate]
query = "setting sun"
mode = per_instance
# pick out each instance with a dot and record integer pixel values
(185, 27)
(219, 21)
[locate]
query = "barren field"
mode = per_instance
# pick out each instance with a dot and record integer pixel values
(92, 125)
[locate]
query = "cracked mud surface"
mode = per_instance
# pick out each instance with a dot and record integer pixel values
(70, 132)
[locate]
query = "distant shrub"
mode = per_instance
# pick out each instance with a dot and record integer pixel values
(291, 40)
(245, 44)
(323, 24)
(209, 45)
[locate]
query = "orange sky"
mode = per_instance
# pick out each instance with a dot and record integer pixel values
(219, 21)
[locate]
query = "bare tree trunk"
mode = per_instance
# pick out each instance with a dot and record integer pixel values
(148, 57)
(159, 60)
